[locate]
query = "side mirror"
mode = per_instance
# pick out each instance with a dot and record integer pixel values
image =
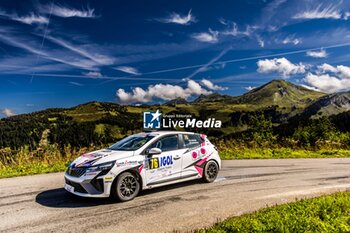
(154, 151)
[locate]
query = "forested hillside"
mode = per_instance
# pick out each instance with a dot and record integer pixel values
(279, 111)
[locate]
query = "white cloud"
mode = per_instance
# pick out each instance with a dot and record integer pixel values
(7, 112)
(341, 70)
(261, 42)
(326, 68)
(27, 19)
(207, 83)
(320, 12)
(179, 19)
(233, 30)
(280, 65)
(93, 74)
(208, 37)
(128, 70)
(194, 88)
(31, 19)
(249, 88)
(138, 95)
(310, 88)
(346, 15)
(161, 91)
(327, 83)
(318, 54)
(67, 12)
(344, 71)
(291, 40)
(224, 21)
(329, 78)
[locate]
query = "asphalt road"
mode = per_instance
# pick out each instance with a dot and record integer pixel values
(40, 204)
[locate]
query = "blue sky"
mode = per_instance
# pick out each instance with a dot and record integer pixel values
(64, 53)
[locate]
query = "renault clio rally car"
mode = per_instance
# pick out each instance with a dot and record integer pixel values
(143, 161)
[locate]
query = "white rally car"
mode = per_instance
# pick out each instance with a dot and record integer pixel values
(143, 161)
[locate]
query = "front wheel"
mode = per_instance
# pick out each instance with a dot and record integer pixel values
(126, 187)
(211, 170)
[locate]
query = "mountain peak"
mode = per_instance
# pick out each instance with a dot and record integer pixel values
(178, 100)
(280, 92)
(214, 97)
(279, 83)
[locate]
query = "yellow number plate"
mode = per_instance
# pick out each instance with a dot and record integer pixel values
(154, 163)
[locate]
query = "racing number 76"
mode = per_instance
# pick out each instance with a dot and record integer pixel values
(154, 163)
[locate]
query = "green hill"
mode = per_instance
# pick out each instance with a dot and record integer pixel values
(281, 93)
(100, 122)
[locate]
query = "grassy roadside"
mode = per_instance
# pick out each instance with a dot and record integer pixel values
(32, 169)
(52, 160)
(330, 213)
(43, 160)
(282, 153)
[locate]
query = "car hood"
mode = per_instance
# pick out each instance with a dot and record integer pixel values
(100, 156)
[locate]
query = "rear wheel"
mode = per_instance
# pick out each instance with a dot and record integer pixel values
(211, 170)
(126, 187)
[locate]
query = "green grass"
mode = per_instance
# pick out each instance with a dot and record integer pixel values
(329, 213)
(43, 160)
(31, 169)
(281, 153)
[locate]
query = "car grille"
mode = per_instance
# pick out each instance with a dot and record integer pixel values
(77, 187)
(76, 172)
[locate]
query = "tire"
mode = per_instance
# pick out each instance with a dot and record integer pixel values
(211, 170)
(126, 187)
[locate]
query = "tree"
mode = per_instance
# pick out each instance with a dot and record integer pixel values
(312, 131)
(261, 129)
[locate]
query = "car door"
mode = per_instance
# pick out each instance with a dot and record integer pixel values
(164, 167)
(192, 155)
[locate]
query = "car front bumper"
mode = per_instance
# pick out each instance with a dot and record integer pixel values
(89, 185)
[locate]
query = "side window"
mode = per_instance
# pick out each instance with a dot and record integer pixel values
(167, 143)
(192, 140)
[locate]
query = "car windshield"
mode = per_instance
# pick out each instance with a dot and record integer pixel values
(131, 143)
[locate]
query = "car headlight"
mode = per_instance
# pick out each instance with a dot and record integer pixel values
(101, 167)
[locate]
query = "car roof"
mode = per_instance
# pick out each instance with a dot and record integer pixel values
(163, 132)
